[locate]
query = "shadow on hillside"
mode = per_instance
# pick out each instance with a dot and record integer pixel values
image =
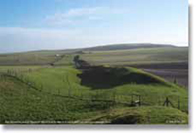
(100, 77)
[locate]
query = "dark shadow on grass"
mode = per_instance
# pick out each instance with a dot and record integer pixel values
(100, 77)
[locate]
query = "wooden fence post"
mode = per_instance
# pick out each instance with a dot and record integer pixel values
(167, 102)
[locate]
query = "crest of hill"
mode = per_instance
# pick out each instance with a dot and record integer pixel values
(126, 46)
(96, 48)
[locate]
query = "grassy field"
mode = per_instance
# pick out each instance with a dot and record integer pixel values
(41, 86)
(160, 61)
(32, 58)
(137, 56)
(65, 79)
(112, 57)
(21, 103)
(19, 68)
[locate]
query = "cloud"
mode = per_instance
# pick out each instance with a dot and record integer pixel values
(78, 15)
(84, 12)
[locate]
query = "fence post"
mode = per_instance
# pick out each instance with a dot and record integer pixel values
(167, 102)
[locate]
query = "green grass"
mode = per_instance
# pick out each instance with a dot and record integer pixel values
(143, 115)
(19, 69)
(31, 58)
(54, 80)
(64, 96)
(26, 59)
(116, 57)
(65, 61)
(137, 56)
(21, 103)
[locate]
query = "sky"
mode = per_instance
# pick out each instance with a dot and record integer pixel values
(27, 25)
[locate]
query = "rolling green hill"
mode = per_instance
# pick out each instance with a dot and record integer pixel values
(138, 56)
(127, 46)
(45, 86)
(110, 54)
(54, 101)
(33, 58)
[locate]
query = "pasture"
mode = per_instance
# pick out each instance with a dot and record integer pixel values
(19, 103)
(137, 56)
(171, 63)
(46, 86)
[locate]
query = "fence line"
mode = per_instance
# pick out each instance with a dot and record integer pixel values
(131, 99)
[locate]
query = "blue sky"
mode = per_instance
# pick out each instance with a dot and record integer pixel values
(60, 24)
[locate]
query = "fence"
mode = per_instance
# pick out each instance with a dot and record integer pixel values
(113, 98)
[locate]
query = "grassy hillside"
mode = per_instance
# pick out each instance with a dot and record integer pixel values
(21, 103)
(67, 81)
(110, 54)
(20, 69)
(33, 58)
(126, 46)
(138, 56)
(143, 115)
(45, 86)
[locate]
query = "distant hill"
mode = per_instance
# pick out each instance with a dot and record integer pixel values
(96, 48)
(126, 46)
(107, 48)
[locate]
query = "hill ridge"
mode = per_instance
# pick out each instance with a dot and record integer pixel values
(127, 46)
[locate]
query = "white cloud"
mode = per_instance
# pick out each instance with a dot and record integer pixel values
(77, 15)
(84, 12)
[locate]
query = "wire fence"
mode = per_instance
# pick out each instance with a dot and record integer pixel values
(111, 99)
